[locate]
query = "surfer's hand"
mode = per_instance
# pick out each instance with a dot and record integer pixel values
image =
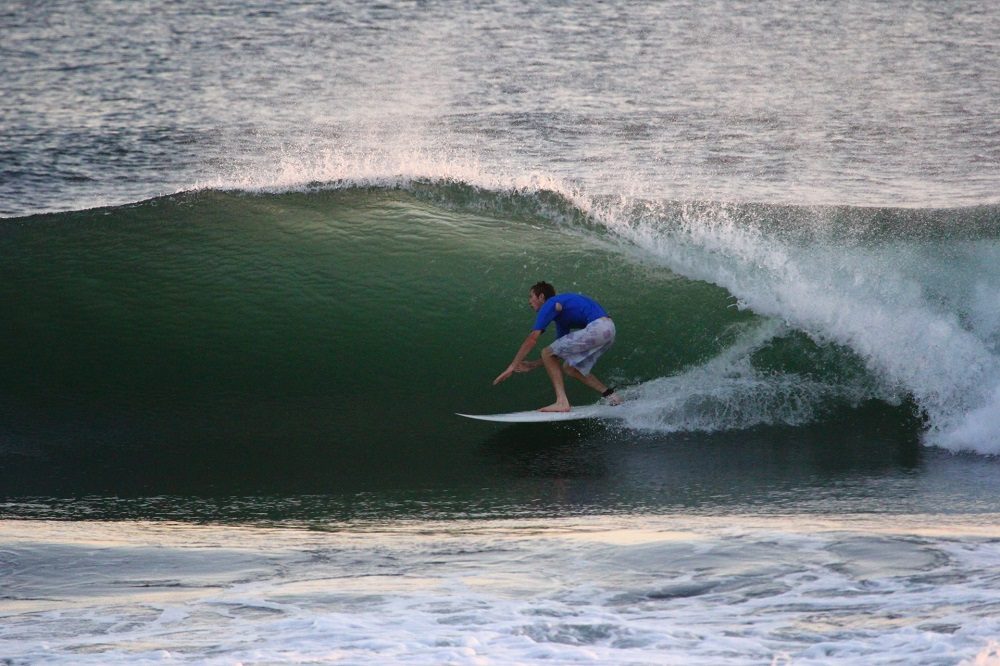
(504, 376)
(527, 366)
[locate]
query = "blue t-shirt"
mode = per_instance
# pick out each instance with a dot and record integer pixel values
(577, 311)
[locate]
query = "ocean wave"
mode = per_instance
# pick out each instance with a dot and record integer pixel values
(900, 300)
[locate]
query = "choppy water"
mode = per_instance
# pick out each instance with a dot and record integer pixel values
(257, 255)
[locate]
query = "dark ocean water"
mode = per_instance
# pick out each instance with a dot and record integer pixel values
(255, 256)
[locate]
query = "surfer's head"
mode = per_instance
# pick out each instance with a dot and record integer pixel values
(540, 292)
(543, 289)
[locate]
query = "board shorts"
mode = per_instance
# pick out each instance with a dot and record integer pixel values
(581, 349)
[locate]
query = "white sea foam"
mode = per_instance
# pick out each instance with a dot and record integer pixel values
(676, 589)
(729, 393)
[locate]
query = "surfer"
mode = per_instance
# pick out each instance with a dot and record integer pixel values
(584, 331)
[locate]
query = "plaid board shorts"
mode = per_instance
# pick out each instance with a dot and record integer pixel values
(582, 348)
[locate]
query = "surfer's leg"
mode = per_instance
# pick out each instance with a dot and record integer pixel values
(551, 362)
(592, 381)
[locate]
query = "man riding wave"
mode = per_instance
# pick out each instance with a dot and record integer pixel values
(584, 331)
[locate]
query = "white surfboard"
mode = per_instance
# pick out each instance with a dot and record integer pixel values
(586, 412)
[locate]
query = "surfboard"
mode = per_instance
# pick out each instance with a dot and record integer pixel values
(535, 416)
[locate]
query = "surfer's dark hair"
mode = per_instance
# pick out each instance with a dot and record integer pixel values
(543, 289)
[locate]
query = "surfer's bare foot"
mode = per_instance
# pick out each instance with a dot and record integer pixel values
(556, 407)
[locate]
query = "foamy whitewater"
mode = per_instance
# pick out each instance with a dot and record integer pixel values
(660, 591)
(255, 256)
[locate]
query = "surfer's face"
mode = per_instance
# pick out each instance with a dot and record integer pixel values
(536, 300)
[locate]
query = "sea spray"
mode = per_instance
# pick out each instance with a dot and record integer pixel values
(730, 392)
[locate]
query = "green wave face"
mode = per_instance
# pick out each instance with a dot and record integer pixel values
(362, 295)
(351, 323)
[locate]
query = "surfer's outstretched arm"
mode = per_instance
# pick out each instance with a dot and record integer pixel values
(526, 347)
